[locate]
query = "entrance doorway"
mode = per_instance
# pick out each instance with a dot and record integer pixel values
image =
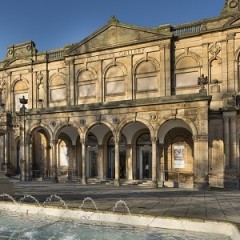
(144, 157)
(92, 156)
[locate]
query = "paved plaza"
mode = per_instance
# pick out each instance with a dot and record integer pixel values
(220, 205)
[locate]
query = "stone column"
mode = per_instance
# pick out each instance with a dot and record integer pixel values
(231, 61)
(22, 161)
(201, 162)
(233, 141)
(226, 140)
(129, 162)
(117, 178)
(54, 160)
(27, 145)
(5, 150)
(161, 176)
(100, 162)
(224, 65)
(83, 143)
(154, 161)
(71, 96)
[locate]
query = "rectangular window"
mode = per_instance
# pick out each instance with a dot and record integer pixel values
(87, 90)
(58, 94)
(187, 79)
(146, 84)
(114, 87)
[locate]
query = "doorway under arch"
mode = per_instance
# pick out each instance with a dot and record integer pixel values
(144, 157)
(41, 166)
(178, 157)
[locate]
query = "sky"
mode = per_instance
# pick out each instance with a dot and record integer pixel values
(52, 24)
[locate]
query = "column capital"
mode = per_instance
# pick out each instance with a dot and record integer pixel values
(54, 142)
(153, 139)
(83, 140)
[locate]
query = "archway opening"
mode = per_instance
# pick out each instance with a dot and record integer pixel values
(144, 157)
(178, 157)
(41, 166)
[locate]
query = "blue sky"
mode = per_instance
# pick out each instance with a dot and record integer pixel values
(53, 24)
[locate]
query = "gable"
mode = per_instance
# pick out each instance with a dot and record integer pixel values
(116, 35)
(233, 21)
(19, 61)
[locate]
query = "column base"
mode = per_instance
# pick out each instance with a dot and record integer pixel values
(83, 181)
(154, 184)
(117, 182)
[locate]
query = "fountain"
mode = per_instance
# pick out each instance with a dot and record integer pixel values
(34, 220)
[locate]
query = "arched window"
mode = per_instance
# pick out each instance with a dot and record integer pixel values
(146, 83)
(186, 74)
(86, 85)
(215, 75)
(20, 90)
(57, 90)
(114, 82)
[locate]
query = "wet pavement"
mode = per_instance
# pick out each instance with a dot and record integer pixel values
(220, 205)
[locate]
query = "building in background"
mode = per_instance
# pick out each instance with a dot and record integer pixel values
(127, 105)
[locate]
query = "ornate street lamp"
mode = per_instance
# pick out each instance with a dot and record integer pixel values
(23, 101)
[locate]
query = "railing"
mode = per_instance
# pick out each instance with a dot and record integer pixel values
(186, 30)
(56, 54)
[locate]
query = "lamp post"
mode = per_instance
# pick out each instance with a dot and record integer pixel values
(23, 101)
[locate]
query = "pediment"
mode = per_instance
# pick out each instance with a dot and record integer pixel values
(19, 61)
(116, 34)
(233, 21)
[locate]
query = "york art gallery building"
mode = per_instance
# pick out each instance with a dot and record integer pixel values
(127, 105)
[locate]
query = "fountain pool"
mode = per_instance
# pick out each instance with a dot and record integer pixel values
(19, 220)
(30, 227)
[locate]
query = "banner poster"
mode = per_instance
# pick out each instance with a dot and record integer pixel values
(178, 156)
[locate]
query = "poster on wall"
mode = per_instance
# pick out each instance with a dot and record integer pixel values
(178, 156)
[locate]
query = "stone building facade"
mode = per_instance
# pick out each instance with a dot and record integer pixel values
(127, 105)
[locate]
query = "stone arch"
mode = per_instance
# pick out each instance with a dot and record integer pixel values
(54, 77)
(177, 153)
(57, 89)
(94, 123)
(187, 71)
(166, 125)
(190, 54)
(146, 78)
(115, 64)
(129, 120)
(16, 61)
(39, 142)
(91, 70)
(20, 88)
(61, 126)
(237, 76)
(215, 71)
(97, 155)
(148, 59)
(86, 84)
(35, 128)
